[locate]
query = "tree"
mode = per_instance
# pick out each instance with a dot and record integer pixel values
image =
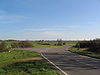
(60, 43)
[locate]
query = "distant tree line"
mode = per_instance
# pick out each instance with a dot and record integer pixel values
(59, 42)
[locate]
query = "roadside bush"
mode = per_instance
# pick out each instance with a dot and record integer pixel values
(25, 44)
(21, 44)
(59, 42)
(55, 44)
(4, 47)
(93, 45)
(83, 44)
(64, 43)
(14, 45)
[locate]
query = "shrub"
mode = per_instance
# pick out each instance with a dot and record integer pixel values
(64, 43)
(21, 44)
(93, 45)
(55, 44)
(4, 47)
(25, 44)
(84, 44)
(14, 45)
(60, 43)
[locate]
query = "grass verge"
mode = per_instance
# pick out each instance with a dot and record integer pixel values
(84, 52)
(43, 46)
(13, 56)
(71, 43)
(10, 65)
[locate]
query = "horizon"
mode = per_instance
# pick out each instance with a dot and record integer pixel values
(49, 19)
(46, 40)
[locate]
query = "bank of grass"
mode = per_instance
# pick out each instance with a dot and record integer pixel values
(12, 56)
(71, 43)
(36, 45)
(9, 64)
(43, 46)
(84, 51)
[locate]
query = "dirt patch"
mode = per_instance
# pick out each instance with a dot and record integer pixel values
(29, 59)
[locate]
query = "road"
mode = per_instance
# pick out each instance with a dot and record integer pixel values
(71, 63)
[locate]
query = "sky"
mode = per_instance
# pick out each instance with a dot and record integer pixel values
(49, 19)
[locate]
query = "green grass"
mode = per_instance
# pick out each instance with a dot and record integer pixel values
(71, 43)
(36, 45)
(9, 64)
(84, 52)
(10, 57)
(36, 67)
(44, 46)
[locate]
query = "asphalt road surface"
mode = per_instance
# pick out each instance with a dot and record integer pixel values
(71, 63)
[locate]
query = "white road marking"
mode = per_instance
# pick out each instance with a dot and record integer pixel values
(54, 65)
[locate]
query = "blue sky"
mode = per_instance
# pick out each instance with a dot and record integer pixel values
(49, 19)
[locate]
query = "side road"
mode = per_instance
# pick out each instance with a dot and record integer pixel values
(71, 63)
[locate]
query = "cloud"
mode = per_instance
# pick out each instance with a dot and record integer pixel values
(8, 18)
(11, 18)
(52, 34)
(41, 34)
(50, 29)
